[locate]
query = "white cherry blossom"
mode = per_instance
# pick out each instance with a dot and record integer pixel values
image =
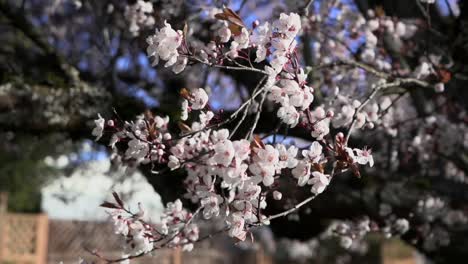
(289, 115)
(139, 14)
(99, 127)
(184, 114)
(260, 38)
(264, 164)
(164, 44)
(211, 205)
(319, 182)
(314, 153)
(224, 34)
(321, 129)
(287, 157)
(302, 172)
(198, 99)
(237, 227)
(364, 157)
(224, 153)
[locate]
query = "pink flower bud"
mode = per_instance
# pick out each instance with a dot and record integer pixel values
(339, 137)
(330, 113)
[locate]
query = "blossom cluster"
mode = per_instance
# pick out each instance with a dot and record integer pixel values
(173, 229)
(336, 77)
(343, 86)
(139, 15)
(146, 137)
(165, 45)
(275, 42)
(233, 179)
(287, 84)
(350, 232)
(246, 170)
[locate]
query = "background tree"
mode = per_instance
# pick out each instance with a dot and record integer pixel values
(65, 61)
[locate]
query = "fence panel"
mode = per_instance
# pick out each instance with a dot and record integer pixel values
(23, 238)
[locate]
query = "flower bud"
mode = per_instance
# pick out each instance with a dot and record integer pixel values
(356, 103)
(277, 195)
(265, 220)
(439, 87)
(339, 137)
(346, 242)
(255, 24)
(336, 91)
(401, 226)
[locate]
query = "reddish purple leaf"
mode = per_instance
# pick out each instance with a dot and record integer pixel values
(109, 205)
(117, 199)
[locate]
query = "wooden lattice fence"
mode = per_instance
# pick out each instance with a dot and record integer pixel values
(23, 238)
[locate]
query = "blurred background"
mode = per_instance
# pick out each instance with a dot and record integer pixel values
(64, 61)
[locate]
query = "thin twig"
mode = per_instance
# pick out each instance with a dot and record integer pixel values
(246, 110)
(304, 202)
(374, 92)
(233, 115)
(307, 7)
(294, 208)
(244, 115)
(394, 101)
(257, 116)
(240, 68)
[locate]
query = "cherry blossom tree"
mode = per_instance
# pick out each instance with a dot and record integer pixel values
(344, 111)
